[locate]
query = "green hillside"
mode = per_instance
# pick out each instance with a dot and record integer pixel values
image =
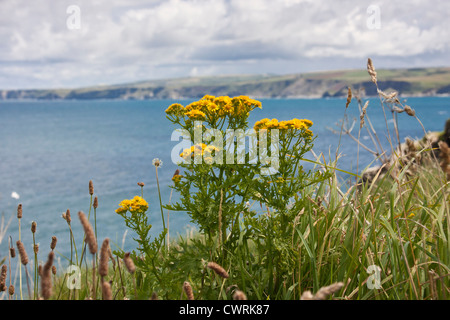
(408, 82)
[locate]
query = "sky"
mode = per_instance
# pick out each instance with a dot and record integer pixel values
(79, 43)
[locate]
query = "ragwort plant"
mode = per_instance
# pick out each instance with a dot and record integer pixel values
(217, 195)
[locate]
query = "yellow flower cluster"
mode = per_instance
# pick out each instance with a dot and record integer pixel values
(135, 205)
(176, 178)
(195, 115)
(176, 109)
(298, 124)
(215, 107)
(203, 149)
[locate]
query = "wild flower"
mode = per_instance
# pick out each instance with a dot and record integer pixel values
(300, 124)
(176, 178)
(157, 162)
(135, 205)
(196, 115)
(175, 109)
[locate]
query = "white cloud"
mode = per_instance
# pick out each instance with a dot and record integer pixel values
(129, 40)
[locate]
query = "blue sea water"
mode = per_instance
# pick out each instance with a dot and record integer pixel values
(49, 150)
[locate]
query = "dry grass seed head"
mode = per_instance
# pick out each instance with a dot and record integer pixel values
(363, 114)
(218, 269)
(154, 296)
(323, 292)
(12, 252)
(19, 211)
(33, 227)
(349, 97)
(129, 264)
(3, 278)
(46, 279)
(106, 290)
(91, 187)
(90, 237)
(188, 290)
(371, 70)
(53, 243)
(22, 253)
(239, 295)
(68, 217)
(409, 111)
(104, 258)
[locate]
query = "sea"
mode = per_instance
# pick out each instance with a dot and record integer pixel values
(49, 150)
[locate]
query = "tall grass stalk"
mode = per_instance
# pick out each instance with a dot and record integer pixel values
(157, 165)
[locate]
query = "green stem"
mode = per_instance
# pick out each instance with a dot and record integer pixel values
(83, 245)
(35, 269)
(160, 204)
(20, 269)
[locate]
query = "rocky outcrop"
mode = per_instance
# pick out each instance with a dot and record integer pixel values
(433, 148)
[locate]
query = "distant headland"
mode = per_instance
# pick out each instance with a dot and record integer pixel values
(407, 82)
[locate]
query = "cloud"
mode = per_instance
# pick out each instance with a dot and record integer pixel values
(125, 41)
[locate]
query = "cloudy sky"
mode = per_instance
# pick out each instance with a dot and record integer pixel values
(75, 43)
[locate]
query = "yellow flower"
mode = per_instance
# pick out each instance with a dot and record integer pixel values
(210, 149)
(212, 107)
(193, 106)
(298, 124)
(135, 205)
(224, 106)
(195, 115)
(257, 104)
(228, 109)
(280, 180)
(222, 101)
(176, 178)
(307, 122)
(208, 97)
(243, 105)
(190, 152)
(272, 124)
(208, 160)
(175, 109)
(283, 125)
